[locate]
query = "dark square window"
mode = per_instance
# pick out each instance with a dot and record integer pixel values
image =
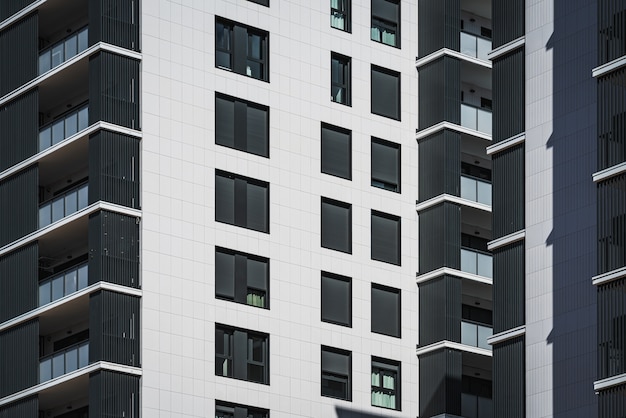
(385, 165)
(340, 79)
(385, 383)
(261, 2)
(232, 410)
(336, 225)
(385, 92)
(386, 22)
(336, 299)
(385, 237)
(336, 151)
(385, 310)
(340, 14)
(241, 49)
(241, 354)
(241, 125)
(241, 201)
(241, 277)
(336, 373)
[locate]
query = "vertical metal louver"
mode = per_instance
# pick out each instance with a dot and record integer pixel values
(440, 310)
(19, 357)
(19, 129)
(19, 205)
(19, 53)
(439, 165)
(19, 281)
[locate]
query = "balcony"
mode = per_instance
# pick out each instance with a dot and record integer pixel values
(63, 284)
(473, 406)
(64, 127)
(64, 205)
(475, 334)
(63, 50)
(476, 190)
(476, 262)
(478, 119)
(64, 361)
(475, 46)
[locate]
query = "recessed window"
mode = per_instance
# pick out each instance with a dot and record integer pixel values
(241, 354)
(336, 151)
(340, 79)
(385, 165)
(241, 277)
(241, 125)
(241, 49)
(385, 92)
(336, 225)
(340, 14)
(336, 373)
(385, 383)
(336, 299)
(241, 201)
(385, 310)
(386, 22)
(385, 237)
(232, 410)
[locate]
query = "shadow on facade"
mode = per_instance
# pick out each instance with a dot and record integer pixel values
(352, 413)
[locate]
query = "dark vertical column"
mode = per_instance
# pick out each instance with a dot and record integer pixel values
(509, 370)
(612, 119)
(509, 105)
(509, 298)
(113, 394)
(19, 53)
(19, 282)
(611, 30)
(440, 237)
(612, 402)
(440, 92)
(440, 310)
(439, 25)
(24, 408)
(115, 22)
(240, 347)
(508, 21)
(19, 357)
(19, 205)
(19, 129)
(439, 165)
(440, 383)
(508, 191)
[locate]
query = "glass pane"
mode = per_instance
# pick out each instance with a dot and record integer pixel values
(484, 121)
(83, 118)
(257, 206)
(57, 288)
(71, 203)
(45, 216)
(254, 69)
(484, 263)
(83, 197)
(44, 62)
(337, 20)
(256, 373)
(83, 277)
(483, 192)
(44, 293)
(468, 261)
(58, 365)
(222, 59)
(484, 333)
(71, 281)
(468, 188)
(83, 355)
(45, 370)
(254, 47)
(468, 44)
(389, 37)
(468, 334)
(58, 132)
(57, 55)
(222, 36)
(58, 211)
(468, 116)
(45, 138)
(375, 34)
(83, 40)
(483, 48)
(71, 125)
(334, 386)
(338, 94)
(71, 360)
(71, 45)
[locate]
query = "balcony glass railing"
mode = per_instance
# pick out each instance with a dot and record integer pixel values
(63, 50)
(475, 46)
(473, 406)
(475, 334)
(63, 205)
(64, 361)
(476, 262)
(63, 284)
(476, 190)
(478, 119)
(64, 127)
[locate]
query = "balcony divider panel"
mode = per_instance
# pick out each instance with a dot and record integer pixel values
(19, 282)
(113, 249)
(115, 22)
(612, 329)
(24, 408)
(612, 119)
(612, 224)
(440, 237)
(440, 310)
(9, 7)
(114, 328)
(114, 169)
(440, 92)
(508, 95)
(611, 30)
(113, 394)
(509, 287)
(440, 383)
(19, 129)
(19, 357)
(19, 53)
(611, 402)
(19, 205)
(439, 165)
(508, 21)
(509, 392)
(439, 25)
(508, 191)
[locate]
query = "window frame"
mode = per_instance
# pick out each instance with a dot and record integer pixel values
(387, 289)
(240, 355)
(229, 408)
(240, 120)
(336, 376)
(398, 163)
(344, 279)
(398, 77)
(344, 205)
(383, 22)
(345, 12)
(398, 220)
(390, 366)
(237, 284)
(346, 67)
(248, 181)
(239, 49)
(218, 49)
(328, 127)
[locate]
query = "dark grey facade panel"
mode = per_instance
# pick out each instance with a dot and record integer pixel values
(19, 129)
(440, 386)
(114, 169)
(440, 310)
(113, 249)
(440, 92)
(440, 237)
(115, 22)
(113, 394)
(19, 282)
(508, 191)
(612, 328)
(508, 21)
(24, 408)
(508, 287)
(612, 402)
(439, 165)
(611, 30)
(114, 328)
(612, 119)
(612, 224)
(19, 53)
(19, 205)
(19, 357)
(439, 25)
(509, 389)
(508, 95)
(9, 7)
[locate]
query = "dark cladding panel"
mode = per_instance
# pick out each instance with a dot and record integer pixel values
(439, 165)
(612, 119)
(24, 408)
(113, 394)
(440, 383)
(9, 7)
(19, 282)
(19, 129)
(508, 95)
(114, 22)
(19, 205)
(19, 357)
(440, 92)
(611, 30)
(612, 224)
(440, 237)
(611, 329)
(19, 53)
(508, 21)
(612, 402)
(509, 392)
(439, 25)
(508, 191)
(508, 287)
(440, 310)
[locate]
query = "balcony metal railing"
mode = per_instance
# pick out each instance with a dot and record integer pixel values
(476, 262)
(63, 50)
(475, 334)
(475, 46)
(64, 361)
(64, 127)
(63, 284)
(473, 406)
(476, 190)
(476, 118)
(63, 205)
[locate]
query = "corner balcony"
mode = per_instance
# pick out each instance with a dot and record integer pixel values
(476, 118)
(475, 334)
(64, 126)
(63, 284)
(64, 205)
(476, 190)
(64, 361)
(476, 262)
(63, 50)
(475, 46)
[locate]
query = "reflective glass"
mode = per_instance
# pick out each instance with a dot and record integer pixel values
(45, 370)
(83, 118)
(83, 40)
(71, 360)
(83, 355)
(58, 132)
(468, 188)
(468, 334)
(71, 281)
(83, 276)
(57, 55)
(468, 116)
(57, 288)
(58, 209)
(484, 265)
(71, 202)
(254, 46)
(44, 62)
(71, 125)
(44, 293)
(45, 138)
(83, 197)
(45, 216)
(71, 46)
(58, 365)
(483, 191)
(468, 261)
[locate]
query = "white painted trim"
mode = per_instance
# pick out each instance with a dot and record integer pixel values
(452, 126)
(506, 144)
(454, 346)
(506, 48)
(19, 15)
(431, 275)
(450, 53)
(506, 240)
(609, 382)
(453, 199)
(506, 335)
(609, 276)
(609, 172)
(608, 67)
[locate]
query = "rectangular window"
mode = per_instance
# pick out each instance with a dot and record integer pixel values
(336, 151)
(241, 354)
(385, 310)
(385, 165)
(241, 277)
(385, 237)
(340, 79)
(241, 49)
(385, 383)
(340, 14)
(232, 410)
(336, 299)
(336, 225)
(336, 373)
(241, 201)
(241, 125)
(385, 92)
(386, 22)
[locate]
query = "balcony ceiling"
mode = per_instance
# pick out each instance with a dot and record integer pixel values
(478, 7)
